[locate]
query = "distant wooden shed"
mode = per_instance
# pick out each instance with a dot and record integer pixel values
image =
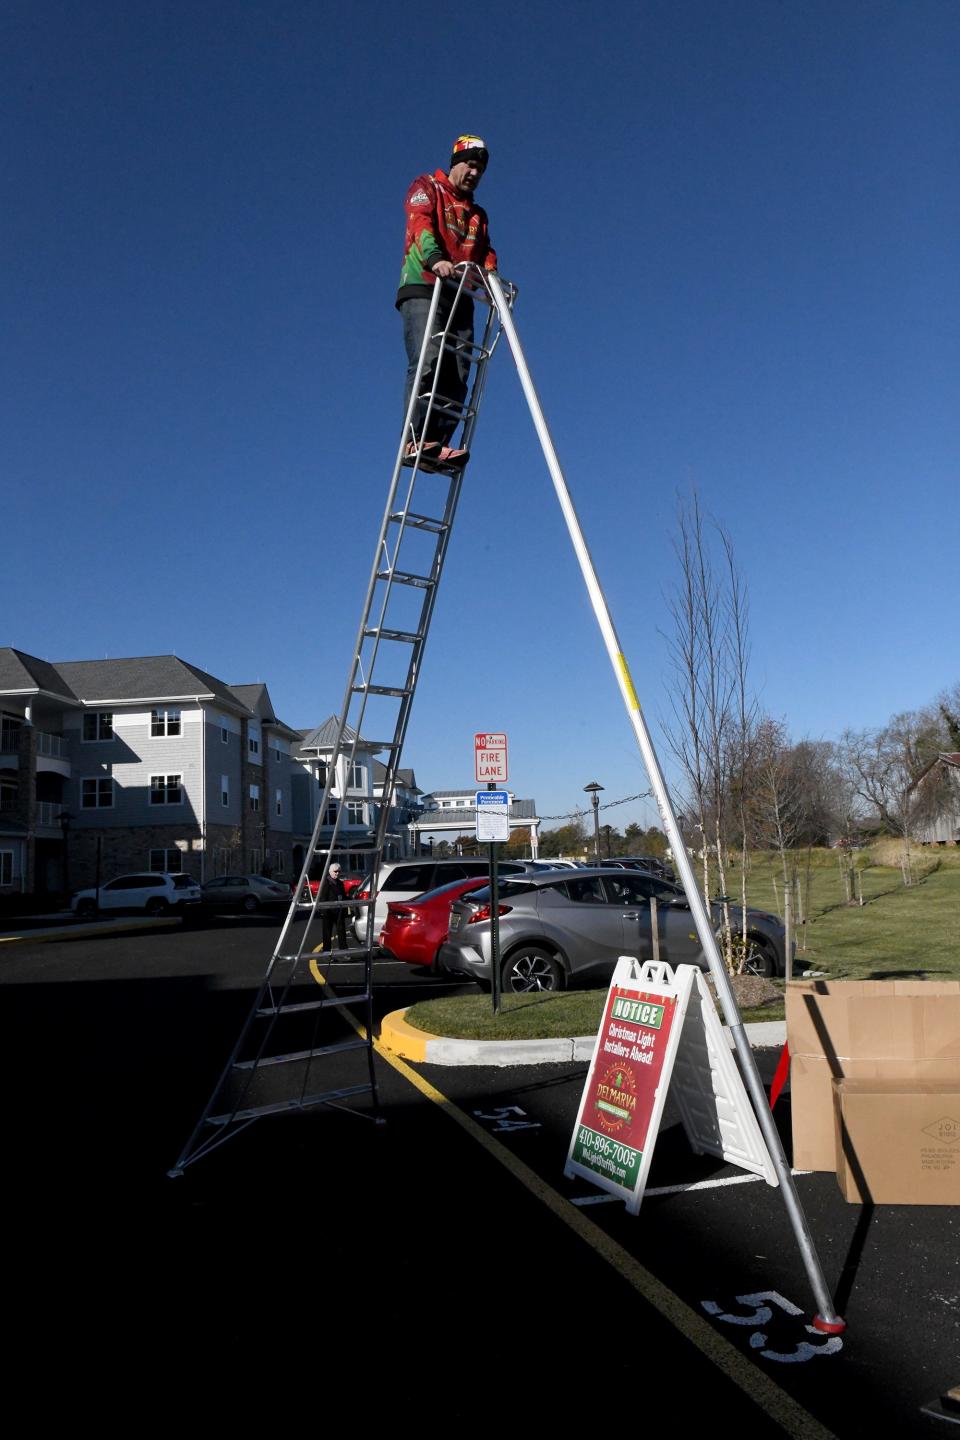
(936, 794)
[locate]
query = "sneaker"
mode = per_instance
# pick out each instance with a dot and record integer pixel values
(452, 457)
(426, 449)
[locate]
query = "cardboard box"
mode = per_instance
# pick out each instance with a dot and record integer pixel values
(906, 1030)
(897, 1142)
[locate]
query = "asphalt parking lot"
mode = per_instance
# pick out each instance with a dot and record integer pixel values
(452, 1260)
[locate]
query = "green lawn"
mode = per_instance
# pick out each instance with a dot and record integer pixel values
(909, 932)
(900, 931)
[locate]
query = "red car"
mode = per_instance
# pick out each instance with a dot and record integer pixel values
(414, 930)
(350, 883)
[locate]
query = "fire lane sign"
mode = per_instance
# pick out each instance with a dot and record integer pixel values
(490, 757)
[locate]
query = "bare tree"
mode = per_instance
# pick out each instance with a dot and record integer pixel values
(881, 766)
(711, 709)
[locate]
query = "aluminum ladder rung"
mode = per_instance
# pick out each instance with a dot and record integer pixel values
(397, 691)
(409, 637)
(303, 1005)
(280, 1106)
(420, 522)
(288, 1057)
(403, 577)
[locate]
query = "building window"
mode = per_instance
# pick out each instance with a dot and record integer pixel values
(331, 816)
(166, 790)
(164, 722)
(98, 725)
(169, 861)
(254, 797)
(253, 743)
(256, 861)
(224, 790)
(278, 754)
(279, 802)
(355, 809)
(321, 773)
(279, 862)
(224, 733)
(6, 867)
(221, 861)
(358, 776)
(97, 794)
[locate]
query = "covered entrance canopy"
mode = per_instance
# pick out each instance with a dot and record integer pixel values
(455, 811)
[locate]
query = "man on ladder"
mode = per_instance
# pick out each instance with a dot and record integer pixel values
(444, 228)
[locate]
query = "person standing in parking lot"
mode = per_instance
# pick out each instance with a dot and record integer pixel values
(333, 889)
(444, 228)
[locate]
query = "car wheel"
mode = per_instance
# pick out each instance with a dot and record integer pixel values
(531, 968)
(86, 908)
(759, 960)
(156, 906)
(250, 904)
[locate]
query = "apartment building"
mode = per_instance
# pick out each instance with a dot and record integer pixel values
(145, 763)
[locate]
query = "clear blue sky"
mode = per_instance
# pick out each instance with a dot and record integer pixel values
(734, 224)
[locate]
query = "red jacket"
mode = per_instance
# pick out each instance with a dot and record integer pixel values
(441, 225)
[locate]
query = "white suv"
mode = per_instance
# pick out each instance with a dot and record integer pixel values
(405, 879)
(153, 893)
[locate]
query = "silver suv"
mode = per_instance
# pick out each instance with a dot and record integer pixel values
(154, 892)
(556, 927)
(405, 879)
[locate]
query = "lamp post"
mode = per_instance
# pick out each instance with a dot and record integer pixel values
(593, 790)
(607, 828)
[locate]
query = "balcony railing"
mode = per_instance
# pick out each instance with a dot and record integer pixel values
(51, 745)
(48, 812)
(9, 739)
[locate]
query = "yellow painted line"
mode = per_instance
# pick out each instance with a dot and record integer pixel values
(764, 1392)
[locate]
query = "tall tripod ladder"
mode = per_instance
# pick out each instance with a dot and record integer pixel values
(273, 1066)
(500, 300)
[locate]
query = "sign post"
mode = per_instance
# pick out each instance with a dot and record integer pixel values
(493, 825)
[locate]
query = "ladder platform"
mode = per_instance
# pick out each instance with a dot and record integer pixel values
(305, 1102)
(403, 577)
(304, 1005)
(439, 467)
(289, 1058)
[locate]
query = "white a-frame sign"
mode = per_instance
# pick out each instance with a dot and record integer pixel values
(660, 1026)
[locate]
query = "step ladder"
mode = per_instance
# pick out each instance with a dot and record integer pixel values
(293, 1022)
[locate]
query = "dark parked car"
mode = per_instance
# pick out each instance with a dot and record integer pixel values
(554, 928)
(244, 892)
(651, 864)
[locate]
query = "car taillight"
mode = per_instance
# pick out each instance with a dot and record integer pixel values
(403, 915)
(363, 894)
(484, 913)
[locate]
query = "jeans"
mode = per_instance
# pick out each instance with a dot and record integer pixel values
(454, 374)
